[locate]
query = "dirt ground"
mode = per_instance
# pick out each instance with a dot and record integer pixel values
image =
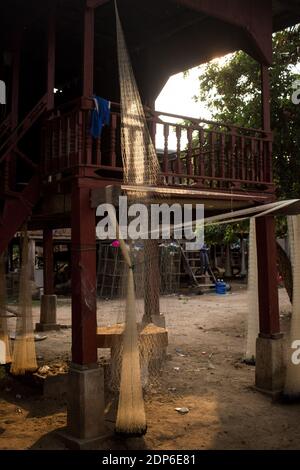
(203, 372)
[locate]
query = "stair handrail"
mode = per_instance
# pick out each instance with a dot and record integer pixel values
(20, 130)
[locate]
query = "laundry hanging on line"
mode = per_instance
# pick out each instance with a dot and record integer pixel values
(100, 116)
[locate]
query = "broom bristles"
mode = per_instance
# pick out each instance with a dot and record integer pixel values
(4, 337)
(131, 418)
(24, 355)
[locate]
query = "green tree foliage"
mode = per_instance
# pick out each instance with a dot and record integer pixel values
(233, 93)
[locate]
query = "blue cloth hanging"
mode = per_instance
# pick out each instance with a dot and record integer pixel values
(100, 116)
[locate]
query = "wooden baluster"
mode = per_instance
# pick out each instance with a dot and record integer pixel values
(242, 158)
(78, 160)
(201, 156)
(178, 161)
(166, 148)
(72, 149)
(55, 144)
(98, 152)
(69, 142)
(113, 140)
(60, 144)
(6, 174)
(261, 163)
(268, 160)
(189, 163)
(88, 140)
(63, 142)
(222, 156)
(238, 160)
(43, 149)
(253, 159)
(212, 155)
(233, 154)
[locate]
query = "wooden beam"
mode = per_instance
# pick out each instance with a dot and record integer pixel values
(96, 3)
(265, 98)
(15, 80)
(88, 51)
(51, 57)
(253, 16)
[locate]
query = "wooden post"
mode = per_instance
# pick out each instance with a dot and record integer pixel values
(267, 277)
(88, 52)
(51, 57)
(269, 371)
(15, 81)
(266, 98)
(266, 123)
(48, 261)
(11, 161)
(151, 281)
(48, 320)
(84, 310)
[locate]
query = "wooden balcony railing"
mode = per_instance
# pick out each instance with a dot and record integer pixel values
(197, 153)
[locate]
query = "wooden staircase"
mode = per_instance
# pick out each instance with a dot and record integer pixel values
(193, 265)
(17, 201)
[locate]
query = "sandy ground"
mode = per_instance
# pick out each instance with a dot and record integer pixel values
(204, 372)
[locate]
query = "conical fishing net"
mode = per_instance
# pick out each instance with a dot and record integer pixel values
(139, 281)
(5, 351)
(24, 355)
(253, 306)
(292, 383)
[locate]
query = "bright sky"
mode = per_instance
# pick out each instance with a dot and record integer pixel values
(177, 98)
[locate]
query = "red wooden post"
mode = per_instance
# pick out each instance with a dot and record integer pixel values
(48, 261)
(51, 57)
(15, 82)
(266, 98)
(10, 170)
(88, 52)
(84, 322)
(266, 120)
(269, 371)
(267, 277)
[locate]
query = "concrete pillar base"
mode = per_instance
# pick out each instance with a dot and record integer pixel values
(48, 314)
(269, 371)
(85, 422)
(73, 443)
(159, 320)
(40, 327)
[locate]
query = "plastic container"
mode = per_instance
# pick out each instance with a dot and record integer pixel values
(221, 287)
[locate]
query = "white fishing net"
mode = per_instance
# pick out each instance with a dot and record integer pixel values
(5, 347)
(24, 354)
(252, 296)
(292, 382)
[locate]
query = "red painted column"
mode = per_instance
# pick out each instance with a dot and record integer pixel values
(51, 57)
(269, 320)
(266, 122)
(266, 98)
(11, 161)
(88, 52)
(84, 309)
(48, 261)
(15, 81)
